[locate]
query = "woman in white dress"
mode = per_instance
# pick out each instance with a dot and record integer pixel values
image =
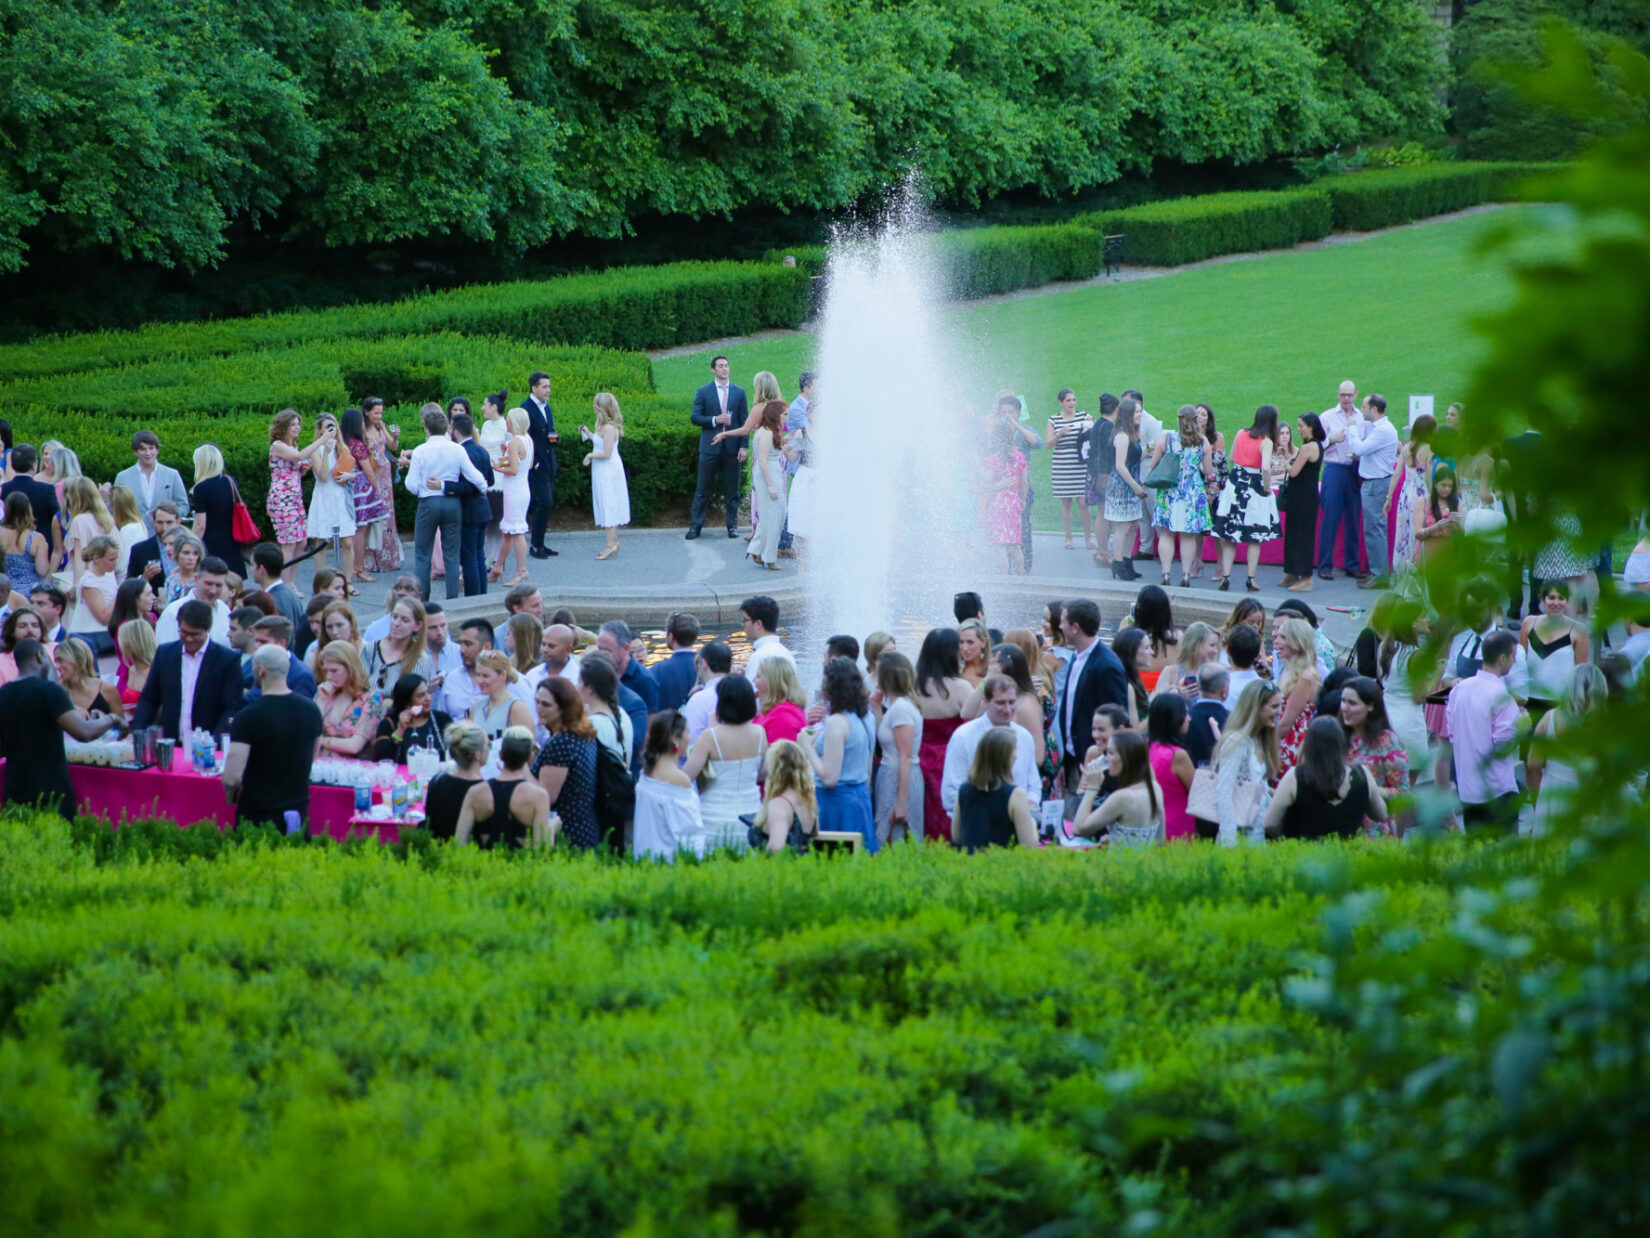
(667, 805)
(512, 466)
(492, 436)
(1553, 782)
(609, 491)
(899, 787)
(768, 484)
(332, 505)
(1247, 756)
(730, 753)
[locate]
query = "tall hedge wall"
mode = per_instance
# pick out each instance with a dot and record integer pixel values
(1190, 229)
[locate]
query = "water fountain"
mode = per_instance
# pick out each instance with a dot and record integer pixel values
(894, 459)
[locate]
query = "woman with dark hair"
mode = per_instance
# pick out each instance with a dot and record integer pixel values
(1215, 478)
(1411, 483)
(599, 690)
(840, 753)
(667, 816)
(410, 722)
(1133, 813)
(566, 766)
(1124, 492)
(5, 450)
(1372, 743)
(383, 441)
(1324, 795)
(1300, 506)
(517, 808)
(24, 623)
(726, 760)
(1068, 473)
(1154, 616)
(1437, 516)
(991, 810)
(134, 599)
(1099, 476)
(1134, 652)
(28, 552)
(493, 433)
(941, 694)
(1247, 512)
(370, 508)
(1171, 764)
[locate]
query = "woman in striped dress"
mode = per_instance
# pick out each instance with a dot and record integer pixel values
(1067, 431)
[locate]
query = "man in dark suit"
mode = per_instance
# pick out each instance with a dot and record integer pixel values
(150, 559)
(541, 477)
(275, 630)
(718, 406)
(677, 675)
(194, 683)
(472, 535)
(1208, 713)
(1095, 678)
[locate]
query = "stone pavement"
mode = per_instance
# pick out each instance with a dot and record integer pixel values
(657, 571)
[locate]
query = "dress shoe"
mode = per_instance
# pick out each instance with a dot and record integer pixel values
(692, 534)
(540, 552)
(1374, 582)
(1325, 574)
(733, 533)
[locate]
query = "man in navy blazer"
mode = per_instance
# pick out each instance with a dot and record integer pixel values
(678, 675)
(541, 477)
(718, 406)
(472, 535)
(211, 669)
(1095, 678)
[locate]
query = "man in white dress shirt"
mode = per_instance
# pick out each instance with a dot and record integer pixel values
(1376, 447)
(1151, 430)
(1338, 485)
(715, 664)
(759, 616)
(1000, 696)
(211, 581)
(435, 462)
(458, 689)
(556, 658)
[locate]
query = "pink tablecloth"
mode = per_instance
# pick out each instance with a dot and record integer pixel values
(121, 795)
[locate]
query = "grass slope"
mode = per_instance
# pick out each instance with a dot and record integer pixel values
(1394, 313)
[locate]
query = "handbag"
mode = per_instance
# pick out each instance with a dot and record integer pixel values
(1203, 803)
(1165, 474)
(344, 467)
(242, 527)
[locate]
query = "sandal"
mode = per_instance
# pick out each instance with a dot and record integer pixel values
(520, 578)
(608, 553)
(495, 572)
(1223, 583)
(1070, 545)
(1165, 580)
(364, 578)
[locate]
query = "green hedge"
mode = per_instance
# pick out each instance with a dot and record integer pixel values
(626, 307)
(1184, 230)
(1387, 197)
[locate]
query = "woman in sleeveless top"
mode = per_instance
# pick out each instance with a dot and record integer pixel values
(1132, 815)
(467, 746)
(511, 811)
(1554, 645)
(1066, 435)
(729, 754)
(1437, 516)
(512, 468)
(1554, 782)
(77, 672)
(991, 810)
(498, 708)
(1247, 513)
(940, 697)
(840, 754)
(1411, 483)
(382, 442)
(28, 554)
(1300, 508)
(899, 790)
(599, 689)
(790, 812)
(1324, 796)
(401, 652)
(366, 491)
(1166, 726)
(667, 816)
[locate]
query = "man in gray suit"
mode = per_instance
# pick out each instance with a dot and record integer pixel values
(718, 406)
(151, 481)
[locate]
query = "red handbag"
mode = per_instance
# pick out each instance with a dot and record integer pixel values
(242, 527)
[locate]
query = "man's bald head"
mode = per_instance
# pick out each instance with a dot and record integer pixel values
(558, 645)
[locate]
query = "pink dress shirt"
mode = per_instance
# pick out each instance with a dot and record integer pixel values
(1480, 722)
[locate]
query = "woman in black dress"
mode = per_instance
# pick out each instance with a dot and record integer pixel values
(1300, 506)
(410, 722)
(467, 746)
(1324, 795)
(213, 499)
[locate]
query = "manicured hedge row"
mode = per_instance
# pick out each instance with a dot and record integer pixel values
(1386, 197)
(626, 307)
(1184, 230)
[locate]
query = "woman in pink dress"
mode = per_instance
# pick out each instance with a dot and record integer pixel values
(384, 443)
(940, 696)
(365, 493)
(1171, 764)
(1004, 487)
(285, 502)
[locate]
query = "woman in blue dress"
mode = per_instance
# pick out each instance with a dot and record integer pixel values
(840, 753)
(1184, 509)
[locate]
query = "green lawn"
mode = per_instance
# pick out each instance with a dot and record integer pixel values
(1393, 313)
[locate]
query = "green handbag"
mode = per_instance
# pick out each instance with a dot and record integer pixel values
(1165, 474)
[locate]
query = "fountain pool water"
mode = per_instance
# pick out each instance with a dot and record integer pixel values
(894, 491)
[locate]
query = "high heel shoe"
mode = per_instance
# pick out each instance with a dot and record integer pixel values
(1224, 583)
(495, 572)
(1165, 580)
(608, 553)
(1250, 585)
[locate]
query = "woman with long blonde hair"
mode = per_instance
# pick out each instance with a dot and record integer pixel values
(973, 651)
(512, 467)
(790, 810)
(1295, 663)
(1199, 643)
(609, 491)
(1247, 756)
(88, 519)
(129, 526)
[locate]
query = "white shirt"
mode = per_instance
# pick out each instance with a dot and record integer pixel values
(377, 630)
(146, 487)
(541, 671)
(1151, 429)
(443, 460)
(769, 646)
(1376, 447)
(166, 628)
(1333, 419)
(1238, 681)
(959, 755)
(722, 395)
(700, 709)
(191, 676)
(447, 661)
(458, 693)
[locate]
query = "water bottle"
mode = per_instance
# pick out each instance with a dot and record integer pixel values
(398, 798)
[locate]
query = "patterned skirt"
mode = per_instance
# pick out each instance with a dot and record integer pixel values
(369, 504)
(1247, 511)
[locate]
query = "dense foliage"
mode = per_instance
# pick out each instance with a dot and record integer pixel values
(1498, 41)
(1190, 229)
(155, 128)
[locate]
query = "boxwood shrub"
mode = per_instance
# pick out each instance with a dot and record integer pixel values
(1387, 197)
(1184, 230)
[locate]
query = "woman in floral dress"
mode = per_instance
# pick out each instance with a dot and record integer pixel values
(1215, 477)
(383, 443)
(1295, 657)
(1182, 512)
(370, 507)
(284, 504)
(1005, 483)
(1373, 744)
(1411, 486)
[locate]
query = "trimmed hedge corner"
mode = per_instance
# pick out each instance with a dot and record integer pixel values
(1387, 197)
(1184, 230)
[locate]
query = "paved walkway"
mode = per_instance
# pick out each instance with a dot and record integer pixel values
(658, 571)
